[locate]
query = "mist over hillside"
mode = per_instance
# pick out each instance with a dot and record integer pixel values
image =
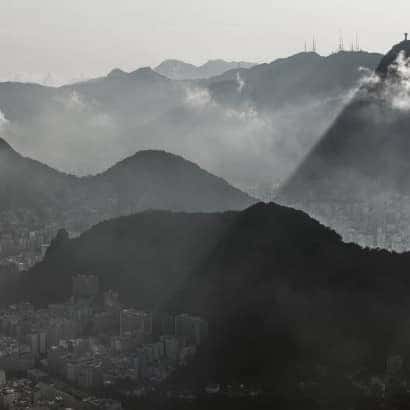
(356, 179)
(250, 126)
(146, 180)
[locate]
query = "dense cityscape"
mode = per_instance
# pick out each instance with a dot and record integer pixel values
(25, 235)
(379, 224)
(63, 354)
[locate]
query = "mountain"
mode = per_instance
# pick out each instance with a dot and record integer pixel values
(147, 180)
(28, 184)
(390, 58)
(159, 180)
(285, 298)
(362, 160)
(367, 141)
(301, 77)
(179, 70)
(250, 126)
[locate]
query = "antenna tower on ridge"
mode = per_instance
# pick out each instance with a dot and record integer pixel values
(357, 45)
(341, 46)
(314, 48)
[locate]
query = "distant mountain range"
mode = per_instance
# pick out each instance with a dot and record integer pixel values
(179, 70)
(301, 77)
(250, 126)
(147, 180)
(281, 292)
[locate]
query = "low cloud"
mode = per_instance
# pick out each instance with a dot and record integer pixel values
(395, 88)
(254, 150)
(4, 124)
(73, 101)
(241, 83)
(398, 83)
(197, 97)
(3, 121)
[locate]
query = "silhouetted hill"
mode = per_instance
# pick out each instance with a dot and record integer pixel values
(148, 180)
(164, 247)
(159, 180)
(282, 293)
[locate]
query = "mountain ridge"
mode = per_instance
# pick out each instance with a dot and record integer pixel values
(137, 181)
(179, 70)
(97, 122)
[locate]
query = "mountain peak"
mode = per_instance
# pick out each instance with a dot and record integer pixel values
(215, 61)
(391, 57)
(179, 70)
(173, 61)
(146, 73)
(175, 183)
(151, 158)
(117, 73)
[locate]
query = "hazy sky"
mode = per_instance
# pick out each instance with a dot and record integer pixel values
(73, 38)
